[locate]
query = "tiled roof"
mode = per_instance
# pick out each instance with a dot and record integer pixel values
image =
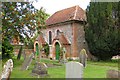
(63, 40)
(72, 13)
(41, 40)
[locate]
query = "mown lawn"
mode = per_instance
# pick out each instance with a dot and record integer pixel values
(0, 66)
(93, 69)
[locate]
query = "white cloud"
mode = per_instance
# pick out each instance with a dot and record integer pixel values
(51, 6)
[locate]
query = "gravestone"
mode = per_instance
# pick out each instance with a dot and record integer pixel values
(113, 74)
(7, 69)
(40, 69)
(23, 54)
(64, 57)
(74, 70)
(27, 62)
(83, 57)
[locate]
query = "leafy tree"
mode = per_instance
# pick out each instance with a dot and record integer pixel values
(102, 31)
(46, 48)
(19, 21)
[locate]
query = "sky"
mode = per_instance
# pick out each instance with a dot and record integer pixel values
(52, 6)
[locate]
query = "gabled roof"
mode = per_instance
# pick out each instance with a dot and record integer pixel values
(41, 40)
(72, 13)
(63, 40)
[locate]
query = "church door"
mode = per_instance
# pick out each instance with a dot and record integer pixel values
(37, 49)
(57, 50)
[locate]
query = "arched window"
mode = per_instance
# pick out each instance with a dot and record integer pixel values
(58, 32)
(50, 37)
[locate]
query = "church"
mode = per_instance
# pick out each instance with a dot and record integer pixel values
(65, 28)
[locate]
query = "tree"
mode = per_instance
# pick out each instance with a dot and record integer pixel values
(102, 31)
(18, 20)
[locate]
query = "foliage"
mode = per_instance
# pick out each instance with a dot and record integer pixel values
(7, 49)
(46, 48)
(102, 32)
(19, 21)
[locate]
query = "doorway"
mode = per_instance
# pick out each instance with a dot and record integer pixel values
(57, 50)
(37, 49)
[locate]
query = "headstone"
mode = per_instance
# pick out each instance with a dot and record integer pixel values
(24, 55)
(40, 69)
(83, 57)
(27, 62)
(113, 74)
(74, 70)
(7, 69)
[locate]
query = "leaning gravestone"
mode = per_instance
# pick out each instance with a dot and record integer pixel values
(83, 57)
(74, 70)
(27, 62)
(113, 74)
(24, 55)
(40, 69)
(7, 69)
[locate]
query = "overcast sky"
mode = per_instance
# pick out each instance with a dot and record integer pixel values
(51, 6)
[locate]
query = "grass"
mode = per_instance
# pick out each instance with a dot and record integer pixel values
(96, 71)
(0, 66)
(93, 69)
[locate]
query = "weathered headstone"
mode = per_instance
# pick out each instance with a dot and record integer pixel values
(23, 54)
(74, 70)
(7, 69)
(113, 74)
(27, 62)
(40, 69)
(83, 57)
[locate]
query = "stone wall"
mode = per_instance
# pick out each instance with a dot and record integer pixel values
(66, 29)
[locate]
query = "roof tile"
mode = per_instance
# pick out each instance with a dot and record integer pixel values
(72, 13)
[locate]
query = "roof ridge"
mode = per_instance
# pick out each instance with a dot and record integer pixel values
(66, 8)
(76, 9)
(72, 13)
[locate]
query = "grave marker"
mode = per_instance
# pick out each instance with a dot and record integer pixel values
(113, 74)
(27, 62)
(40, 69)
(83, 57)
(74, 70)
(7, 69)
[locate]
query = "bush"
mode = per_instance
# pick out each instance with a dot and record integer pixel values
(46, 48)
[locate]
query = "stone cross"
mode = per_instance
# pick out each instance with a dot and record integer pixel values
(7, 69)
(83, 57)
(74, 70)
(64, 53)
(39, 56)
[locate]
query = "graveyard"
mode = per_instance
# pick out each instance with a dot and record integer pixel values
(70, 43)
(98, 69)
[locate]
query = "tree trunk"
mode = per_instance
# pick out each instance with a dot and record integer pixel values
(19, 54)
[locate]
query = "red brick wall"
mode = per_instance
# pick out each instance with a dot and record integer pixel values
(27, 51)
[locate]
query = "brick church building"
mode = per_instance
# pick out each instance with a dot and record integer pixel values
(65, 28)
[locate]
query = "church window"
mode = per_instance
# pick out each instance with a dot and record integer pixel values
(58, 32)
(50, 37)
